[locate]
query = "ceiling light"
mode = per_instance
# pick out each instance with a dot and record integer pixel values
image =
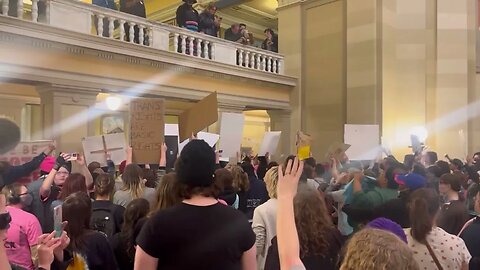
(113, 102)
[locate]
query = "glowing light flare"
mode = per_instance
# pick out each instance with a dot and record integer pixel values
(420, 132)
(113, 102)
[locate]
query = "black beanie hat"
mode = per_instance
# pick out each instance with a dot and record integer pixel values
(196, 165)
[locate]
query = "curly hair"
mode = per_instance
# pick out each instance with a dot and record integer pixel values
(312, 220)
(271, 181)
(376, 249)
(240, 178)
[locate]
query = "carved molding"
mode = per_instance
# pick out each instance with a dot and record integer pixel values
(80, 83)
(282, 82)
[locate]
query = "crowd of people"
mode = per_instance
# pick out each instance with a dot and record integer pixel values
(255, 214)
(208, 22)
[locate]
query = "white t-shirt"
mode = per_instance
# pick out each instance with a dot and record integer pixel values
(449, 249)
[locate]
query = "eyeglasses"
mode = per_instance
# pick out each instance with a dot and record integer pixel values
(62, 173)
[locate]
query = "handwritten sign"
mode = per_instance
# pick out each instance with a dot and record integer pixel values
(23, 153)
(146, 129)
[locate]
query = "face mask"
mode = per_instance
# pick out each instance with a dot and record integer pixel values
(26, 200)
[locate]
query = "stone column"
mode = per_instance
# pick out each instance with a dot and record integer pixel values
(455, 68)
(363, 62)
(68, 115)
(291, 42)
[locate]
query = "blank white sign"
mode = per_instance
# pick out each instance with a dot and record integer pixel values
(210, 138)
(231, 134)
(364, 141)
(270, 143)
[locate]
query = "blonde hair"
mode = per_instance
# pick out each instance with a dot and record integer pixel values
(376, 249)
(271, 181)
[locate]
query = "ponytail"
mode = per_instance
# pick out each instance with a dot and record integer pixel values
(424, 205)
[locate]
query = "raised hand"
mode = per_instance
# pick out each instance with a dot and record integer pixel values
(49, 149)
(81, 159)
(288, 178)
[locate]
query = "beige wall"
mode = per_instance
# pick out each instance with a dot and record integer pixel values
(323, 92)
(396, 63)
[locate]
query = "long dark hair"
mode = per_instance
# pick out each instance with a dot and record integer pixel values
(75, 182)
(423, 207)
(135, 210)
(77, 210)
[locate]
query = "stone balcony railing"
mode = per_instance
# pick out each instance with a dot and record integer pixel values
(110, 24)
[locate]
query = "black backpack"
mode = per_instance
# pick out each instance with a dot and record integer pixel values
(102, 220)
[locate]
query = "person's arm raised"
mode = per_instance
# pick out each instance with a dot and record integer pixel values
(83, 169)
(129, 155)
(47, 183)
(163, 156)
(288, 243)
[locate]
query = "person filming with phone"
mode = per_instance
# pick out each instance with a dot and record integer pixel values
(53, 184)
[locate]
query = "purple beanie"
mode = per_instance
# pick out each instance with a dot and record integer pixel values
(389, 226)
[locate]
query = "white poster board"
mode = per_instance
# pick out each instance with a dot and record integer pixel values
(270, 143)
(210, 138)
(231, 134)
(364, 141)
(94, 148)
(171, 130)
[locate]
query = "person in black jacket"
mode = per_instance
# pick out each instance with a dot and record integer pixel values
(10, 174)
(137, 8)
(187, 16)
(271, 41)
(208, 22)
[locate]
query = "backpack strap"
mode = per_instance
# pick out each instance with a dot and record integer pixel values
(432, 254)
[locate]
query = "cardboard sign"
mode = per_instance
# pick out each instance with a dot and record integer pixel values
(23, 153)
(210, 138)
(200, 116)
(365, 141)
(94, 148)
(231, 134)
(270, 143)
(146, 129)
(336, 150)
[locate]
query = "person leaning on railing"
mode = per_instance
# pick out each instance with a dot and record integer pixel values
(105, 4)
(133, 7)
(209, 23)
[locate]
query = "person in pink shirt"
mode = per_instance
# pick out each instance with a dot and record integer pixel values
(21, 242)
